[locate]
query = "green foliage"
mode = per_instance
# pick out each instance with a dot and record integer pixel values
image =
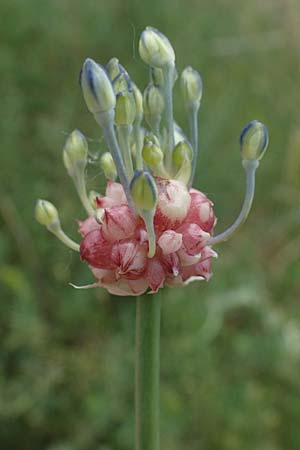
(230, 348)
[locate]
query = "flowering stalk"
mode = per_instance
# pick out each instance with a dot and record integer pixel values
(148, 310)
(151, 228)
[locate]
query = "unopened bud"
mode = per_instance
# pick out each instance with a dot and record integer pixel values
(122, 83)
(138, 98)
(96, 87)
(152, 154)
(178, 134)
(152, 138)
(153, 101)
(75, 151)
(157, 76)
(191, 86)
(143, 190)
(114, 68)
(254, 140)
(181, 153)
(125, 109)
(155, 48)
(46, 213)
(108, 166)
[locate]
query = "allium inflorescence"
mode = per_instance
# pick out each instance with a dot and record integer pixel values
(150, 228)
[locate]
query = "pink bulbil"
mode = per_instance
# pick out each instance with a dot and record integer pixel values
(116, 247)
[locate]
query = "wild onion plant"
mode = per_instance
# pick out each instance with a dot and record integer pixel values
(151, 228)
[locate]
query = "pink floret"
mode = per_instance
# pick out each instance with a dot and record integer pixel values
(116, 249)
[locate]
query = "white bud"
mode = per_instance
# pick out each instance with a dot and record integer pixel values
(96, 87)
(155, 48)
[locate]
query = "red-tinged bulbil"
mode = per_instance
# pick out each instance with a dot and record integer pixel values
(116, 249)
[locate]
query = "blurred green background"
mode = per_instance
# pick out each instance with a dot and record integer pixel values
(230, 352)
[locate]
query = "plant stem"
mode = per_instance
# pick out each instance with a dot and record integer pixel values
(147, 372)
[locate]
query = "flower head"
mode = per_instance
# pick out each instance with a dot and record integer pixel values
(151, 228)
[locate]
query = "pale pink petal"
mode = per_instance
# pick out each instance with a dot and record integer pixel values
(173, 204)
(104, 276)
(194, 238)
(155, 274)
(201, 211)
(139, 286)
(170, 242)
(186, 259)
(88, 225)
(118, 223)
(171, 264)
(130, 259)
(96, 250)
(121, 288)
(116, 193)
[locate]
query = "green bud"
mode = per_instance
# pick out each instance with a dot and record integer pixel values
(46, 213)
(155, 49)
(108, 166)
(150, 137)
(153, 101)
(156, 76)
(254, 140)
(96, 87)
(125, 109)
(75, 152)
(113, 68)
(191, 86)
(143, 190)
(181, 153)
(178, 134)
(122, 83)
(138, 98)
(152, 154)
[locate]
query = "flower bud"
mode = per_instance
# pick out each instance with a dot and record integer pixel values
(152, 154)
(96, 87)
(153, 101)
(254, 140)
(75, 151)
(125, 109)
(114, 68)
(46, 213)
(182, 152)
(122, 83)
(143, 190)
(156, 76)
(191, 86)
(108, 166)
(138, 98)
(155, 49)
(150, 137)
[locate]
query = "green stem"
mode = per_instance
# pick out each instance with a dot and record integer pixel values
(147, 372)
(168, 73)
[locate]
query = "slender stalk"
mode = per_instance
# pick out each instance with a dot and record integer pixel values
(138, 137)
(250, 168)
(193, 125)
(80, 185)
(168, 73)
(55, 228)
(106, 121)
(148, 310)
(124, 140)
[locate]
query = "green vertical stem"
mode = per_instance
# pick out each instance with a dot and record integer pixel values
(147, 372)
